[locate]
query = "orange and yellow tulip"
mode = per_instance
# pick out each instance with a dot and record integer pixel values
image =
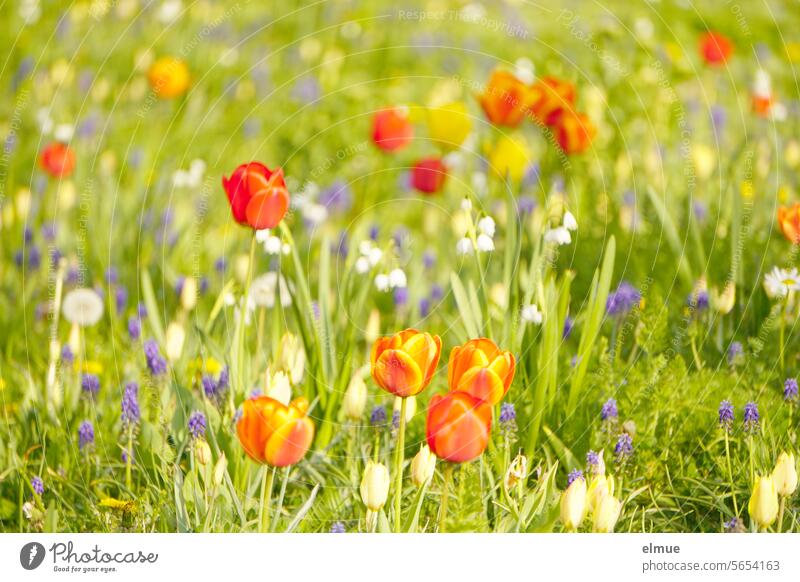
(403, 364)
(458, 426)
(273, 433)
(789, 221)
(506, 99)
(481, 369)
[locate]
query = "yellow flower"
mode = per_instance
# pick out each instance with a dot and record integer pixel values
(449, 125)
(606, 514)
(763, 506)
(785, 474)
(422, 466)
(723, 302)
(375, 485)
(573, 504)
(599, 488)
(89, 367)
(747, 189)
(510, 157)
(169, 77)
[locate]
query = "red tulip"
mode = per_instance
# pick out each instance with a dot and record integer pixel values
(391, 129)
(458, 426)
(506, 99)
(574, 132)
(257, 195)
(428, 175)
(57, 159)
(551, 97)
(715, 48)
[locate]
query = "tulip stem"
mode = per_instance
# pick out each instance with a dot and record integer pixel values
(781, 507)
(448, 478)
(266, 496)
(398, 465)
(240, 380)
(730, 472)
(782, 332)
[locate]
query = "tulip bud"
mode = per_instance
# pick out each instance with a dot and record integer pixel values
(373, 328)
(189, 293)
(599, 488)
(517, 471)
(219, 469)
(293, 357)
(763, 506)
(785, 474)
(278, 387)
(202, 452)
(375, 485)
(422, 466)
(355, 397)
(176, 335)
(411, 407)
(573, 504)
(606, 514)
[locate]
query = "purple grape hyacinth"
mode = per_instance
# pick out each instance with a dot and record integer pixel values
(85, 434)
(197, 424)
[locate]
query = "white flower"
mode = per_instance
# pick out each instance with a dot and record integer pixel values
(278, 387)
(485, 243)
(524, 70)
(466, 205)
(262, 291)
(569, 221)
(479, 182)
(315, 213)
(273, 245)
(464, 246)
(779, 282)
(83, 307)
(762, 86)
(397, 278)
(45, 121)
(531, 314)
(262, 235)
(362, 265)
(169, 11)
(229, 299)
(175, 338)
(197, 170)
(63, 132)
(375, 256)
(382, 282)
(180, 179)
(486, 226)
(559, 235)
(364, 247)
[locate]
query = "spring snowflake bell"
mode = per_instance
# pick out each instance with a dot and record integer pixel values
(531, 314)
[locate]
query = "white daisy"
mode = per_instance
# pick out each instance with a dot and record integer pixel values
(779, 282)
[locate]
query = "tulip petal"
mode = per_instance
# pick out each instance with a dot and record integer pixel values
(290, 442)
(397, 373)
(266, 210)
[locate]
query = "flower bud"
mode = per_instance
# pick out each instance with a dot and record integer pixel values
(373, 328)
(355, 397)
(202, 452)
(606, 514)
(785, 474)
(763, 506)
(517, 471)
(422, 466)
(219, 469)
(293, 357)
(573, 504)
(375, 485)
(278, 387)
(176, 335)
(599, 488)
(189, 293)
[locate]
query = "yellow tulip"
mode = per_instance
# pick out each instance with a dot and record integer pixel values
(763, 506)
(573, 504)
(606, 514)
(375, 485)
(599, 488)
(422, 466)
(355, 397)
(448, 125)
(784, 475)
(510, 157)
